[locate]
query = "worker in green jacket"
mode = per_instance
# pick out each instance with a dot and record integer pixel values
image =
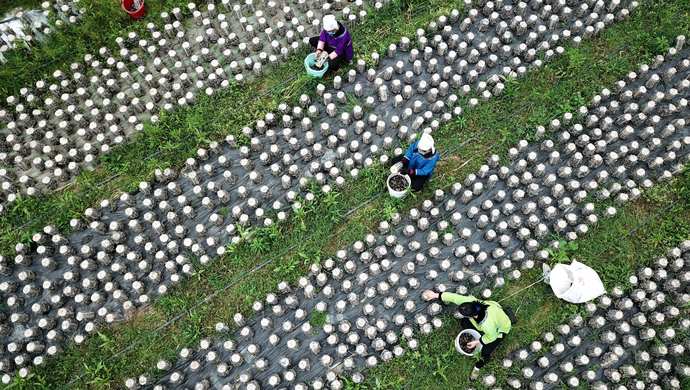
(486, 317)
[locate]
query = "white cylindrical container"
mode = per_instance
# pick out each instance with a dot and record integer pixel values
(395, 193)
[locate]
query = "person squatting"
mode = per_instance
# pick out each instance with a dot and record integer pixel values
(486, 317)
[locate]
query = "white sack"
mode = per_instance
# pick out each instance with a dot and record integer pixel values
(575, 283)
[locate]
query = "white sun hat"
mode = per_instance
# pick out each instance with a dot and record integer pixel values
(329, 23)
(426, 143)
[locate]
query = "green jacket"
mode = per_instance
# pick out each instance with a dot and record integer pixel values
(494, 325)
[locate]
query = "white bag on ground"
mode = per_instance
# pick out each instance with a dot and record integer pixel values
(575, 283)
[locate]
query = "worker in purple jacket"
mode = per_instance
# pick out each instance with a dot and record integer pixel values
(334, 40)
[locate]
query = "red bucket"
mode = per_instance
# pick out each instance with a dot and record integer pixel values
(130, 6)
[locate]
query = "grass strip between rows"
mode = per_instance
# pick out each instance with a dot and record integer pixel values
(9, 5)
(319, 228)
(616, 248)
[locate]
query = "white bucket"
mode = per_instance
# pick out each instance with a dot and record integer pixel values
(476, 336)
(394, 193)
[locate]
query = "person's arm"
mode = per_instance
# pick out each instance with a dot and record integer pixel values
(449, 297)
(339, 49)
(428, 167)
(407, 158)
(405, 163)
(410, 151)
(343, 43)
(322, 42)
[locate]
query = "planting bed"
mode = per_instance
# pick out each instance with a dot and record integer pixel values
(29, 27)
(57, 127)
(361, 307)
(127, 251)
(638, 338)
(476, 236)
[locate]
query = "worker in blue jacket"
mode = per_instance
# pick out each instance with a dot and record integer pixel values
(418, 161)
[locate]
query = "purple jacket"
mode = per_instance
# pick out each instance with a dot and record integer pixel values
(341, 42)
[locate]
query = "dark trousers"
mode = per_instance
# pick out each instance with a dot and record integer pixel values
(418, 181)
(333, 65)
(487, 349)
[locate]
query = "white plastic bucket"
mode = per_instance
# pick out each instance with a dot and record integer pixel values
(474, 334)
(394, 193)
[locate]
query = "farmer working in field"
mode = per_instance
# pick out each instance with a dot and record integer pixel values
(419, 161)
(334, 40)
(486, 317)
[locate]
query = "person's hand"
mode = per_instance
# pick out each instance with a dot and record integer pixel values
(318, 52)
(473, 344)
(395, 168)
(429, 295)
(410, 172)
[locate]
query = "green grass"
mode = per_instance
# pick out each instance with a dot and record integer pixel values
(318, 319)
(326, 225)
(9, 5)
(102, 22)
(615, 248)
(95, 358)
(180, 132)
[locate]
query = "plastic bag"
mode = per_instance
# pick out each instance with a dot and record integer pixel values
(575, 283)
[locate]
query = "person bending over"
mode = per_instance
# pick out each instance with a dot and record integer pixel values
(334, 40)
(486, 317)
(419, 161)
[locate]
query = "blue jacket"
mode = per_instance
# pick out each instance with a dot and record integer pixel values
(422, 166)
